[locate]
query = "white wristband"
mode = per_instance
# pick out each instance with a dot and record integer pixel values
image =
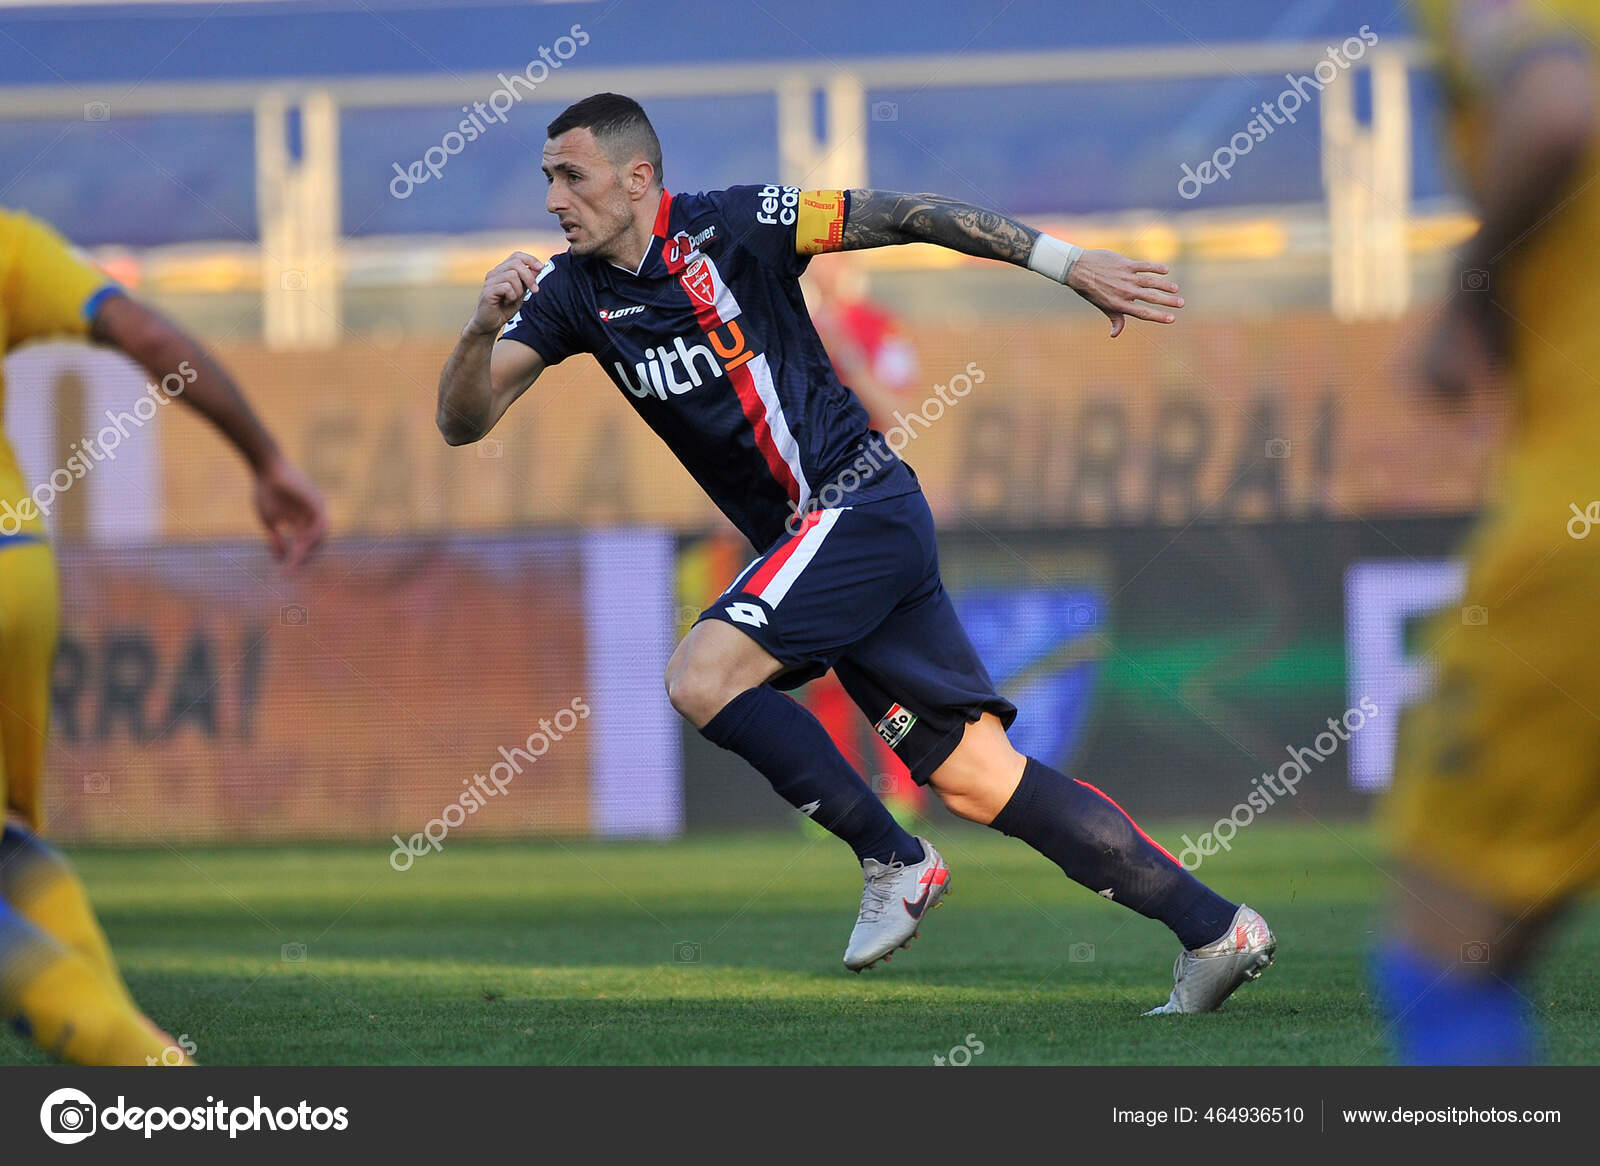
(1053, 258)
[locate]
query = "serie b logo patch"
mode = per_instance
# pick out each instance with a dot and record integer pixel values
(895, 725)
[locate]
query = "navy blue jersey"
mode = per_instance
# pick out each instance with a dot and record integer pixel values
(712, 344)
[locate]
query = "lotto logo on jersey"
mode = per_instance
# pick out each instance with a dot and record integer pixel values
(778, 205)
(895, 725)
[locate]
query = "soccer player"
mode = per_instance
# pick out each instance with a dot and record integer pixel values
(59, 984)
(692, 305)
(1494, 819)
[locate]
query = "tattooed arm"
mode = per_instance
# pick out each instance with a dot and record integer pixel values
(1115, 284)
(882, 218)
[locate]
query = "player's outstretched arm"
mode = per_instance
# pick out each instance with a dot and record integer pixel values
(1118, 286)
(288, 504)
(481, 379)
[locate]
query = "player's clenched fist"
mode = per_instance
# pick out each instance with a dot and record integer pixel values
(503, 290)
(1121, 287)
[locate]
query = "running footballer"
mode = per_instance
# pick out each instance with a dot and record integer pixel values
(692, 305)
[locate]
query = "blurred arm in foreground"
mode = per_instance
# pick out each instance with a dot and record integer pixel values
(1541, 125)
(288, 505)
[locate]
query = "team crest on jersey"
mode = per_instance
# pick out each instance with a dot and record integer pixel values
(895, 725)
(698, 283)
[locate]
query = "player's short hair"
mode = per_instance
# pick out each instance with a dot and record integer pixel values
(619, 126)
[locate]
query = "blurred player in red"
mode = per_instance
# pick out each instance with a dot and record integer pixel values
(872, 356)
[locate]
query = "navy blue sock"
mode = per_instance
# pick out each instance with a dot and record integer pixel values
(1453, 1015)
(1094, 841)
(793, 751)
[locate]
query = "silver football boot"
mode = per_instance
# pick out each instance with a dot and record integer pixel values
(1205, 977)
(893, 902)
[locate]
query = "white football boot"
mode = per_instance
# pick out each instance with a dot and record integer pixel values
(893, 902)
(1205, 977)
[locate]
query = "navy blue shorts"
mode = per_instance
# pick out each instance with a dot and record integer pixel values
(857, 589)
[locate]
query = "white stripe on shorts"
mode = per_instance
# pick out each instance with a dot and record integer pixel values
(810, 543)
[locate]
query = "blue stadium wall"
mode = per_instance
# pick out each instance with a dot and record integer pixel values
(1035, 149)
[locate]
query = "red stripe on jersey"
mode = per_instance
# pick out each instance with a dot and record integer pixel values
(663, 213)
(744, 384)
(755, 412)
(1131, 822)
(757, 583)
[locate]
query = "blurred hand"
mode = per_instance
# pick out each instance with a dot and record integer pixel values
(292, 510)
(1122, 287)
(503, 289)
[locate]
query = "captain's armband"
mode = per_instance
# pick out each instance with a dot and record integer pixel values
(819, 223)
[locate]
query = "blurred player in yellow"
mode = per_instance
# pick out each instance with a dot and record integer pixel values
(1494, 821)
(58, 982)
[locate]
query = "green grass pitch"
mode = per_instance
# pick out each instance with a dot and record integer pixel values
(721, 950)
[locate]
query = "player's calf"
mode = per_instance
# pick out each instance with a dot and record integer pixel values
(717, 680)
(1081, 830)
(1096, 844)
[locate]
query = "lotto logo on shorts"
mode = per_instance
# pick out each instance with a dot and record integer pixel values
(747, 613)
(895, 725)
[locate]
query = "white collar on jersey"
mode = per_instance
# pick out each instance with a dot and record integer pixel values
(643, 260)
(657, 234)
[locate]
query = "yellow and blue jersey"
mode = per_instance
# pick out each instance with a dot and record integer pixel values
(1497, 778)
(46, 290)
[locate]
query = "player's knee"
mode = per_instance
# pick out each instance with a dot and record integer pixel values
(979, 801)
(977, 780)
(973, 807)
(698, 693)
(713, 664)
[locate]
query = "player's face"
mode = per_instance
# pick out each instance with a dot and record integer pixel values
(587, 194)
